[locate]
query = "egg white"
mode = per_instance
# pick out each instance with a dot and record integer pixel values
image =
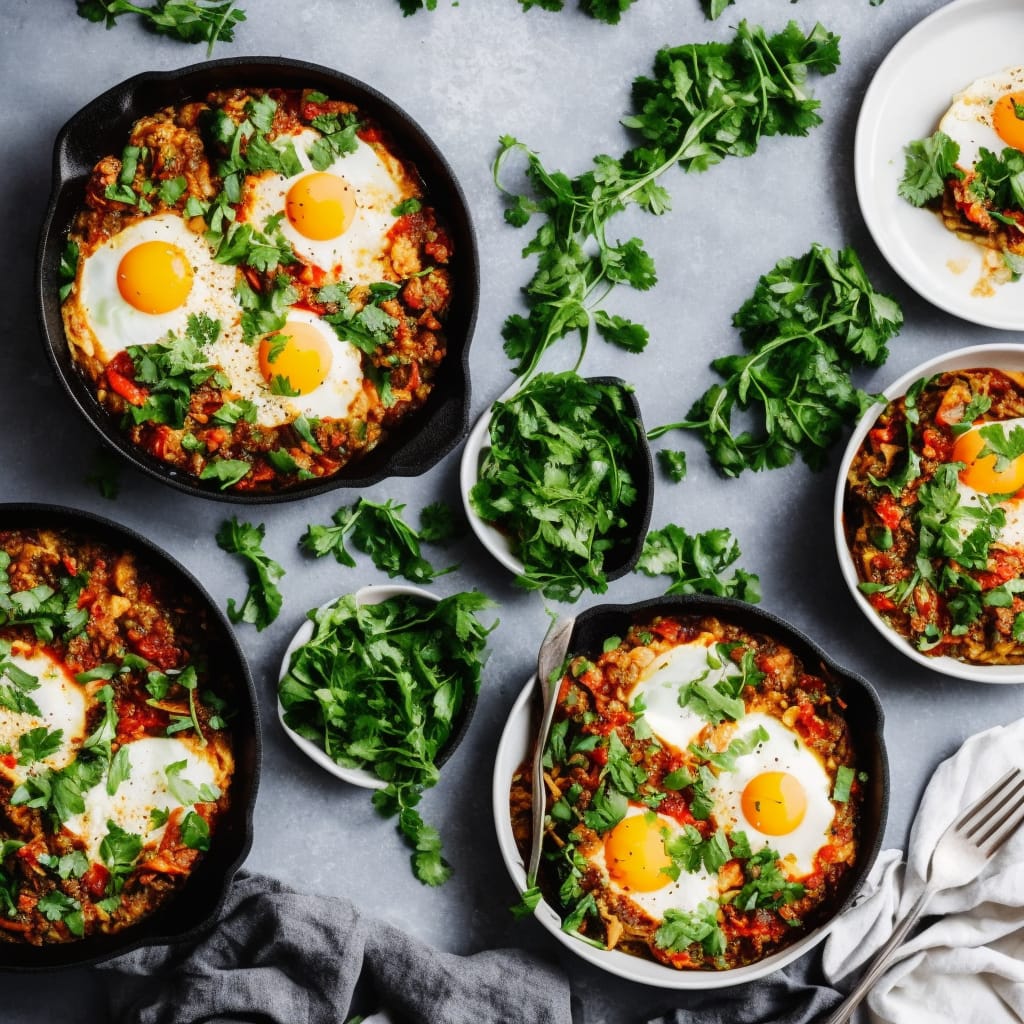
(358, 255)
(968, 121)
(115, 324)
(62, 702)
(665, 679)
(687, 892)
(784, 751)
(145, 790)
(332, 399)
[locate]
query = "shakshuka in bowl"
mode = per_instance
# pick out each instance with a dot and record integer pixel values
(715, 787)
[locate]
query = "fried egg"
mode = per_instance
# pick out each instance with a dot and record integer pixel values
(988, 114)
(779, 795)
(664, 682)
(632, 860)
(144, 282)
(60, 700)
(145, 790)
(304, 369)
(336, 219)
(980, 478)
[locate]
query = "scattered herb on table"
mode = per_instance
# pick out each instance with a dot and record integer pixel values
(704, 102)
(106, 474)
(262, 602)
(190, 21)
(380, 687)
(378, 530)
(558, 480)
(697, 563)
(608, 11)
(673, 463)
(716, 8)
(810, 321)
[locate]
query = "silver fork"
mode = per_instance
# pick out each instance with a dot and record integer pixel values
(960, 854)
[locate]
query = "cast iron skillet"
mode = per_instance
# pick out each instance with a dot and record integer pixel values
(862, 709)
(196, 905)
(102, 126)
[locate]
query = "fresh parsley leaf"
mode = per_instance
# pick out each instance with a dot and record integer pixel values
(716, 8)
(38, 744)
(378, 530)
(844, 780)
(680, 929)
(810, 321)
(696, 563)
(189, 21)
(440, 523)
(263, 599)
(195, 831)
(58, 906)
(106, 474)
(119, 850)
(929, 162)
(228, 471)
(673, 464)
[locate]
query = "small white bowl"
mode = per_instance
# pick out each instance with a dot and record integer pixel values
(1003, 356)
(513, 750)
(374, 594)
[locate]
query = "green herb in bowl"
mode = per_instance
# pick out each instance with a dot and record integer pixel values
(558, 481)
(378, 687)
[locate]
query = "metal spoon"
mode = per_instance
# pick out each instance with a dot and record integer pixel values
(549, 660)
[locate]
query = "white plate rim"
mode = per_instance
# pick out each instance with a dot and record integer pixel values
(374, 593)
(955, 36)
(511, 751)
(1003, 355)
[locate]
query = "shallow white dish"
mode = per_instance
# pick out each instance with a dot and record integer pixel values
(513, 749)
(478, 443)
(1001, 356)
(374, 594)
(910, 91)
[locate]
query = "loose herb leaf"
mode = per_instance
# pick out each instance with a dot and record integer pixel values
(810, 321)
(263, 599)
(189, 21)
(929, 162)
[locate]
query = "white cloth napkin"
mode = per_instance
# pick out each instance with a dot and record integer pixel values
(967, 963)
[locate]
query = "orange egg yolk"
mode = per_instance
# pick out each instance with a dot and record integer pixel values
(635, 854)
(1008, 119)
(774, 803)
(321, 206)
(154, 277)
(298, 355)
(981, 474)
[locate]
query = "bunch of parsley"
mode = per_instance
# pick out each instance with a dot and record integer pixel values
(703, 103)
(557, 480)
(810, 321)
(381, 687)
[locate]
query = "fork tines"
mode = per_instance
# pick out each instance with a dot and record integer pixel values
(996, 814)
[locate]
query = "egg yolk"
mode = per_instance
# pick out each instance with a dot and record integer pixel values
(774, 803)
(321, 206)
(635, 854)
(154, 277)
(981, 474)
(298, 355)
(1008, 119)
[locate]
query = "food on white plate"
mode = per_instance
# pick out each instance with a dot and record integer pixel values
(703, 795)
(256, 287)
(971, 171)
(934, 520)
(116, 760)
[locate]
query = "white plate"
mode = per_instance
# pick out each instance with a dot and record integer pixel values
(1002, 357)
(910, 91)
(516, 739)
(356, 776)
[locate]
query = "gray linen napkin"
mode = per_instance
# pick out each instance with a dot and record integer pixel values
(281, 957)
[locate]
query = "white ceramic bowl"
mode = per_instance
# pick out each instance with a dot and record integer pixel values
(375, 594)
(1003, 356)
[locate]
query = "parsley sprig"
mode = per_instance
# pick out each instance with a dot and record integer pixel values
(262, 602)
(190, 21)
(810, 321)
(704, 102)
(380, 687)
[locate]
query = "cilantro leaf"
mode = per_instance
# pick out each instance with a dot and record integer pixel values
(189, 21)
(929, 162)
(263, 599)
(680, 929)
